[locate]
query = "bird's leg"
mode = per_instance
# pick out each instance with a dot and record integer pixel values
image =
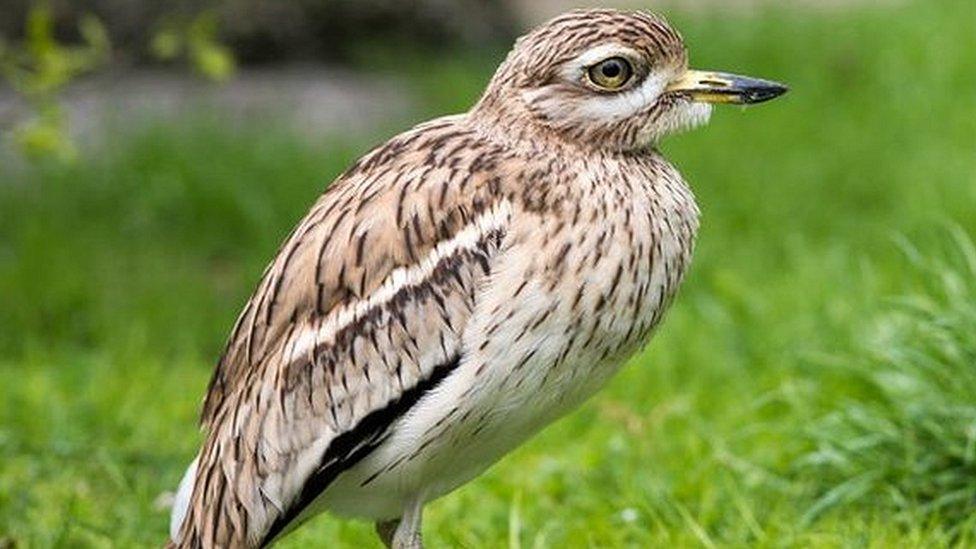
(407, 534)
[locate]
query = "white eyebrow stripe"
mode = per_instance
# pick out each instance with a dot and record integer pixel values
(596, 54)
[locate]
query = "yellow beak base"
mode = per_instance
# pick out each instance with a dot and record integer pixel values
(725, 88)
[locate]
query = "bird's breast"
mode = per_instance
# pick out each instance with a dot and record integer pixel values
(573, 294)
(622, 272)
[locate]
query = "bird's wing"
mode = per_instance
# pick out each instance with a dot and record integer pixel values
(361, 312)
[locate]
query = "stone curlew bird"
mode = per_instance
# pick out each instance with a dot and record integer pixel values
(458, 288)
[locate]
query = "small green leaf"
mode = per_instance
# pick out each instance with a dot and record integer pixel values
(166, 44)
(213, 61)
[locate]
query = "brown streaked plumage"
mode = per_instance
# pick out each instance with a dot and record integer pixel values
(460, 287)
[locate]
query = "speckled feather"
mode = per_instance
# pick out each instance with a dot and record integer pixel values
(454, 291)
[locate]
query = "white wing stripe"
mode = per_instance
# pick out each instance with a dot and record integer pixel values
(466, 239)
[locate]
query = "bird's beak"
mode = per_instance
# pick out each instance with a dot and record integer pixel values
(720, 87)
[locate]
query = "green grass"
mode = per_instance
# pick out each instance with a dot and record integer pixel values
(813, 386)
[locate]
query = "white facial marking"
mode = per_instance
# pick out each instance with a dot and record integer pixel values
(576, 69)
(622, 105)
(676, 120)
(611, 107)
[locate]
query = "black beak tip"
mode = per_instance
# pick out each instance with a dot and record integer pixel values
(763, 92)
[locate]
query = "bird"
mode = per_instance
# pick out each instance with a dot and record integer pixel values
(458, 288)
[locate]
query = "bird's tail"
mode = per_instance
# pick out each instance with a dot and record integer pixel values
(181, 503)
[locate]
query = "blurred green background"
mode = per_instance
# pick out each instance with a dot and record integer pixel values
(814, 385)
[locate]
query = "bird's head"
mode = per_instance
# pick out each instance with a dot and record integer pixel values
(610, 80)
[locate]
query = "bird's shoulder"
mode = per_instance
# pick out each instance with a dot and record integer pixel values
(388, 212)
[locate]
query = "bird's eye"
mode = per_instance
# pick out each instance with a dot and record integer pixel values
(611, 74)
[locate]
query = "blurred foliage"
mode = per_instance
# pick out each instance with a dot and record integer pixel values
(45, 46)
(337, 30)
(258, 31)
(40, 66)
(39, 69)
(195, 39)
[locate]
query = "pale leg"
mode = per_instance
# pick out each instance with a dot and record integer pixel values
(407, 534)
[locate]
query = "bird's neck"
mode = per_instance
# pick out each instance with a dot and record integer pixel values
(504, 118)
(507, 123)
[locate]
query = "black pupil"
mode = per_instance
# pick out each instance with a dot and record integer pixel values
(611, 69)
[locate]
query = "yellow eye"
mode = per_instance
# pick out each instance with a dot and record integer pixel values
(611, 74)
